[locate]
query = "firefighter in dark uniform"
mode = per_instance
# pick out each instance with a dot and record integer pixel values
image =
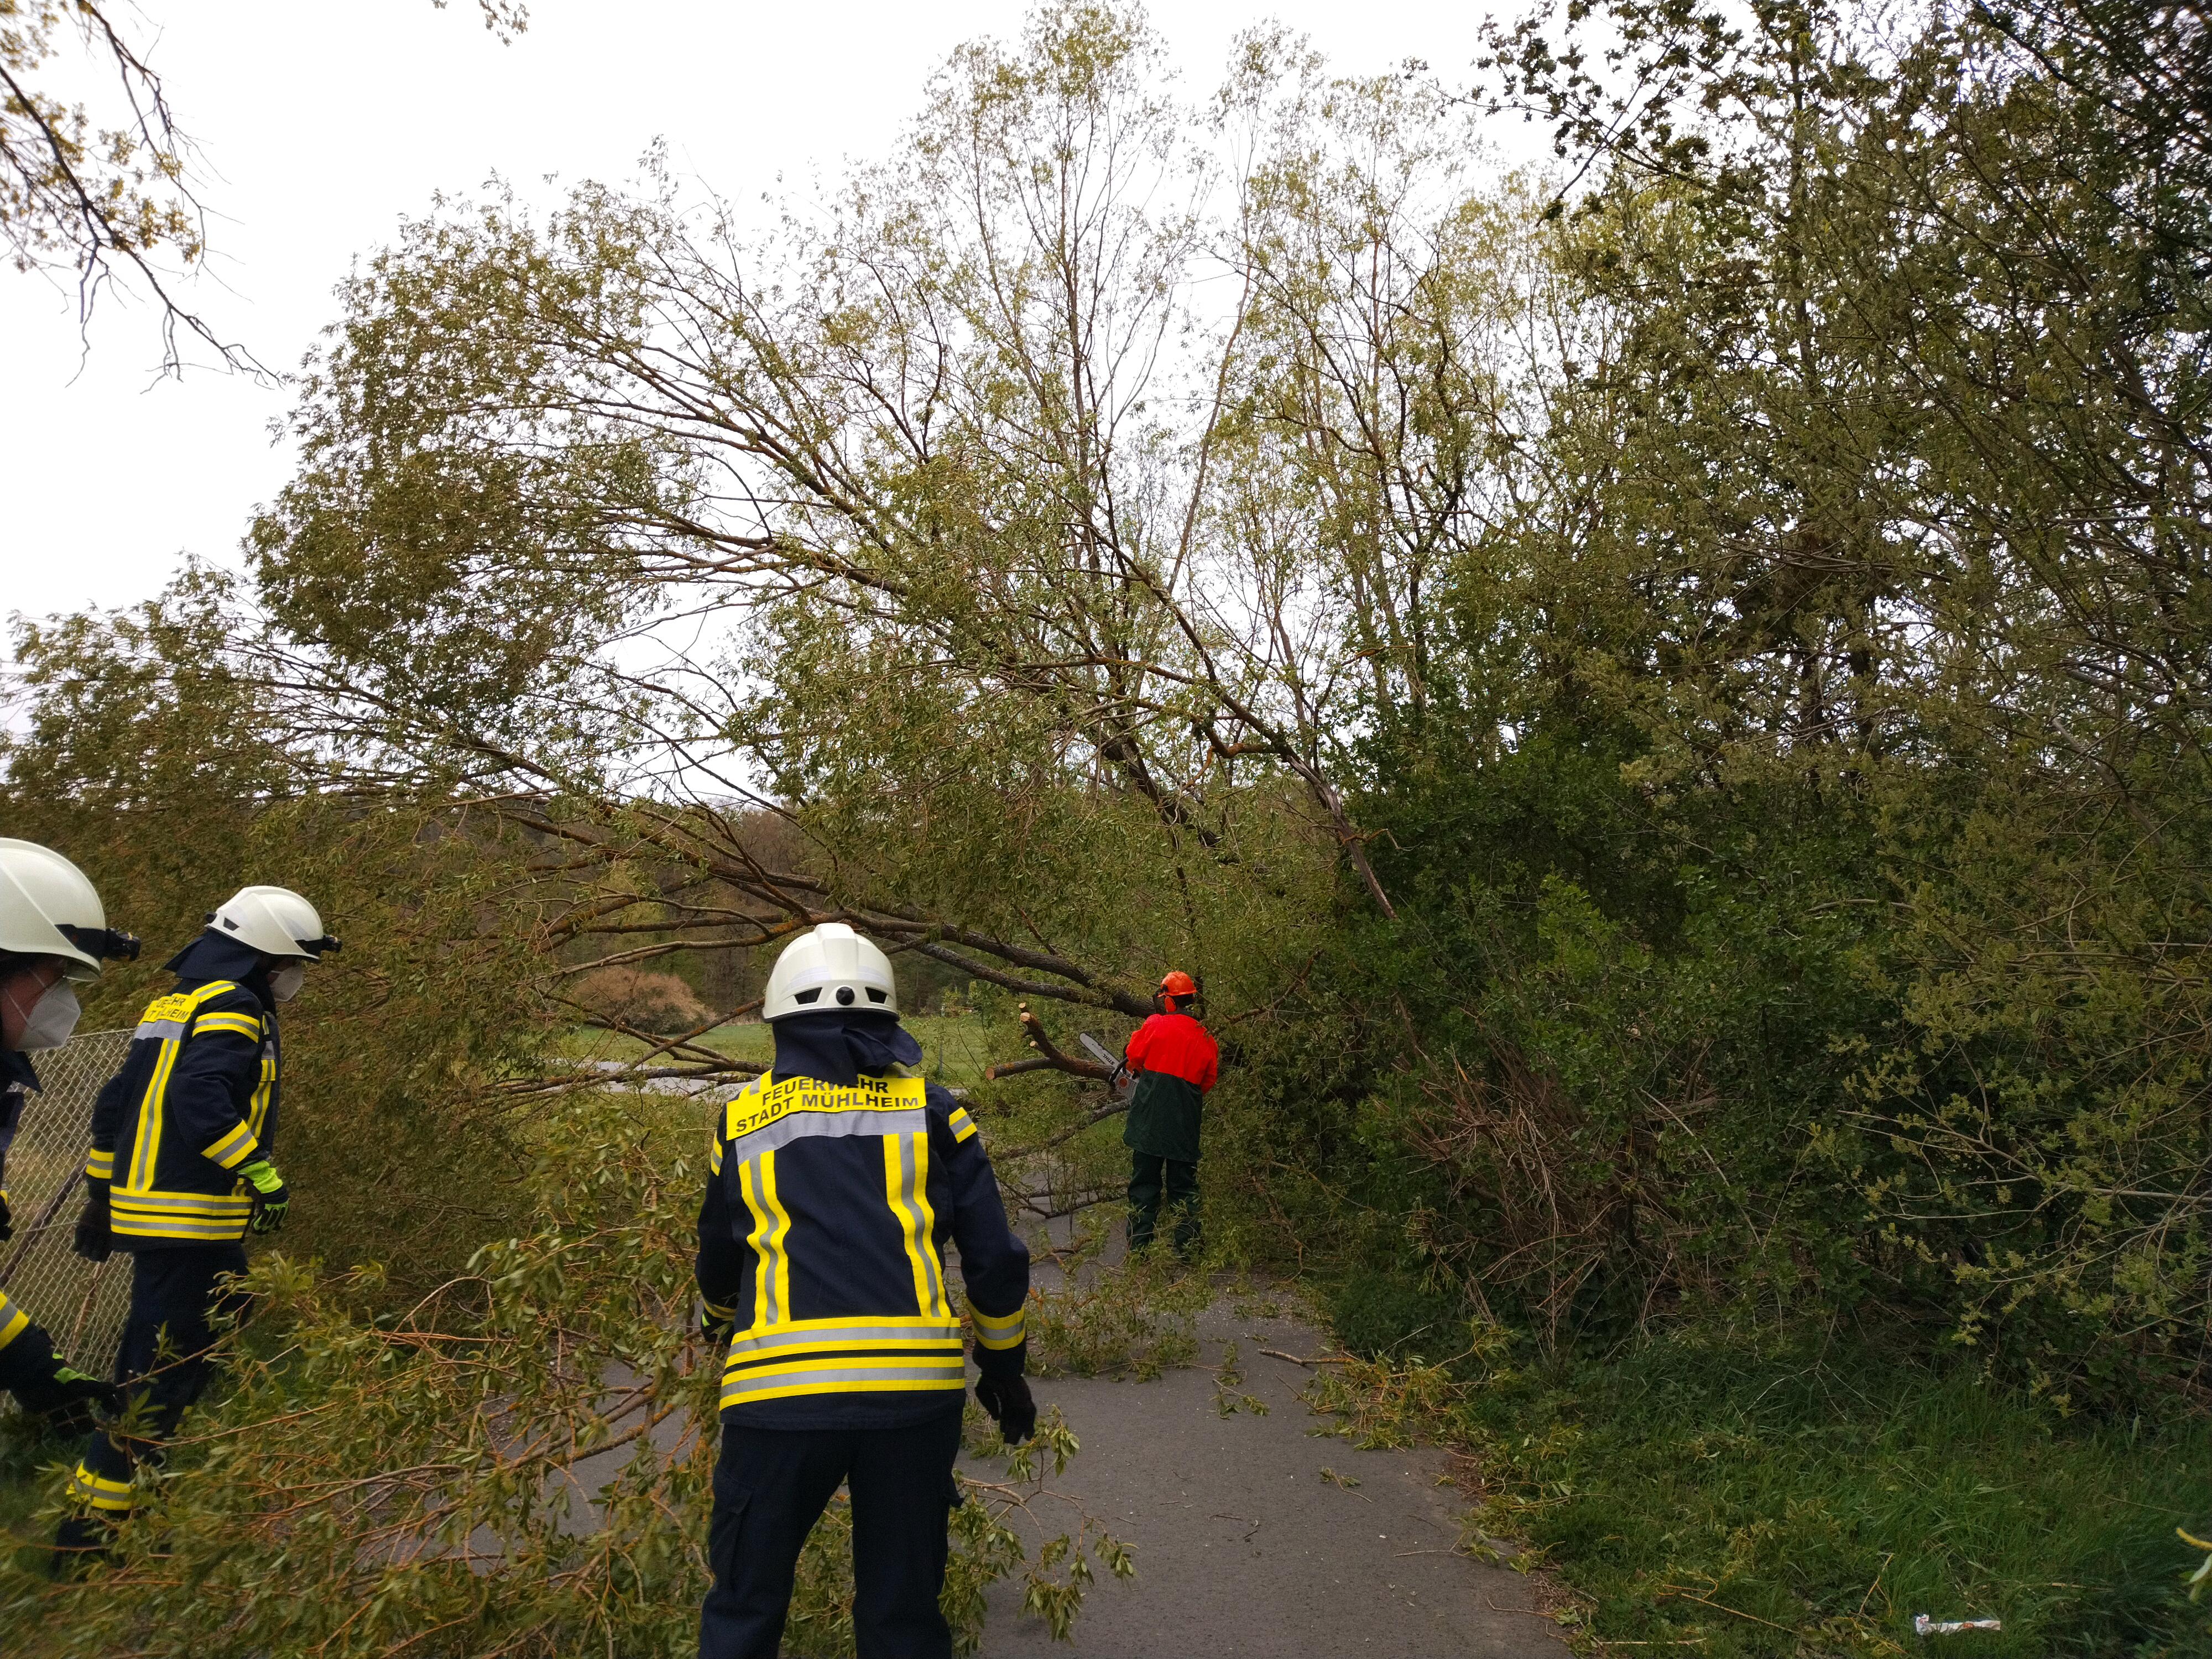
(53, 936)
(836, 1181)
(1176, 1061)
(180, 1169)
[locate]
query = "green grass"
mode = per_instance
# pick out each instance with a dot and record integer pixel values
(28, 1448)
(1747, 1504)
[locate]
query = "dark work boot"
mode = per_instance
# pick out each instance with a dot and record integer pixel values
(84, 1542)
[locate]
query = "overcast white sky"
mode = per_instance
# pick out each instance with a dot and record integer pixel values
(321, 125)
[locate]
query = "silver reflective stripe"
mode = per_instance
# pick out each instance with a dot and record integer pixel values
(802, 1125)
(162, 1204)
(179, 1227)
(745, 1383)
(756, 1185)
(924, 1247)
(158, 1028)
(908, 1332)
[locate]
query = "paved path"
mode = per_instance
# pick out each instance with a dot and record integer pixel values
(1242, 1547)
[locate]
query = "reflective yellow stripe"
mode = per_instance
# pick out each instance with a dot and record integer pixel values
(98, 1165)
(13, 1321)
(146, 1145)
(194, 1232)
(715, 1154)
(786, 1386)
(243, 1025)
(963, 1125)
(939, 1361)
(771, 1229)
(86, 1487)
(923, 1246)
(844, 1331)
(233, 1149)
(894, 1192)
(937, 1366)
(179, 1012)
(199, 1217)
(770, 1114)
(998, 1330)
(256, 1109)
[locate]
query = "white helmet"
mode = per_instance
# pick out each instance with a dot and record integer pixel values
(49, 908)
(833, 967)
(275, 920)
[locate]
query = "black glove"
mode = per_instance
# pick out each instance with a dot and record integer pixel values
(7, 1220)
(270, 1199)
(715, 1326)
(69, 1398)
(93, 1242)
(1012, 1407)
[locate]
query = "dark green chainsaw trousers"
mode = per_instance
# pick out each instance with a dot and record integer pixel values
(1157, 1183)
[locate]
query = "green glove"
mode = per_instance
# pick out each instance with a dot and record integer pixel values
(269, 1198)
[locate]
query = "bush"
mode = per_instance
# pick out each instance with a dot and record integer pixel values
(660, 1003)
(1379, 1316)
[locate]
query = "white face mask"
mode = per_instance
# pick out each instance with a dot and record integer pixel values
(53, 1019)
(285, 982)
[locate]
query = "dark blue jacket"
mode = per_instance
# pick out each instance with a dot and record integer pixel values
(197, 1098)
(836, 1183)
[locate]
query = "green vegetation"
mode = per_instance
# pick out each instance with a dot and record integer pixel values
(1666, 703)
(360, 1474)
(954, 1048)
(1813, 1500)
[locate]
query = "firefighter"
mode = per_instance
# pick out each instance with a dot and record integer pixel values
(836, 1181)
(180, 1170)
(53, 936)
(1174, 1061)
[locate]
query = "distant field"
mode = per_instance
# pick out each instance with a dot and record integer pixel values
(955, 1049)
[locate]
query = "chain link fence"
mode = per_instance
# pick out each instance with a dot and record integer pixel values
(80, 1303)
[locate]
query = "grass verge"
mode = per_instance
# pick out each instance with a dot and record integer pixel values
(1705, 1500)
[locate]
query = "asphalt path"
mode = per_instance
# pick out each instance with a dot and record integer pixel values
(1242, 1544)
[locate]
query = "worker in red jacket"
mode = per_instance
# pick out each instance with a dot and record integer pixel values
(1175, 1062)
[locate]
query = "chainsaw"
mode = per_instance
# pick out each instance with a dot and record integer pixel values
(1118, 1079)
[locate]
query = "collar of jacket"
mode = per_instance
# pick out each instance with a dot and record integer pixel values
(16, 1070)
(836, 1046)
(213, 956)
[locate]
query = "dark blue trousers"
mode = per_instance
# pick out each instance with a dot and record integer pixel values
(771, 1485)
(164, 1363)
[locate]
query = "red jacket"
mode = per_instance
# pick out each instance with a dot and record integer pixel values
(1177, 1045)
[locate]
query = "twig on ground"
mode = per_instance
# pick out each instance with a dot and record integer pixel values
(1719, 1607)
(1529, 1612)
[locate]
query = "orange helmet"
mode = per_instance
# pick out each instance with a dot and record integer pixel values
(1178, 984)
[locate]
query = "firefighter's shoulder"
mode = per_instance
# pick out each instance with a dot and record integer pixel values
(216, 1005)
(946, 1108)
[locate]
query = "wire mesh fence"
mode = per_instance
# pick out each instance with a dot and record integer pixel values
(80, 1303)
